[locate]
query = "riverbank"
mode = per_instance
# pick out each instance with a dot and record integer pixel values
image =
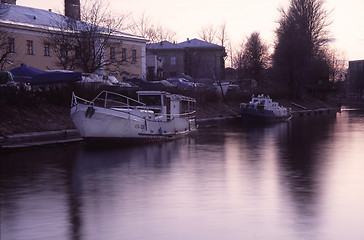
(17, 119)
(48, 117)
(23, 126)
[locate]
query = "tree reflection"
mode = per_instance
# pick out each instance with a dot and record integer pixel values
(302, 165)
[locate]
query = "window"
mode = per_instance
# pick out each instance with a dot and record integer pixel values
(173, 60)
(47, 49)
(134, 56)
(112, 53)
(123, 54)
(63, 51)
(12, 45)
(30, 49)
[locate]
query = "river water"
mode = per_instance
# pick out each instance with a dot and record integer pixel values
(298, 180)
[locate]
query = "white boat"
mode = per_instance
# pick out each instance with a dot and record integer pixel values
(263, 108)
(156, 115)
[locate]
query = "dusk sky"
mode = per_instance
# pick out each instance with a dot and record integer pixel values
(242, 17)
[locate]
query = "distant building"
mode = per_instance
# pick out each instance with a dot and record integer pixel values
(356, 77)
(154, 68)
(28, 26)
(196, 58)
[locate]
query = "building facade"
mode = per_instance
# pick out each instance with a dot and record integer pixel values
(196, 58)
(356, 77)
(26, 29)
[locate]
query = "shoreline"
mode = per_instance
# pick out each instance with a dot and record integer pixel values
(26, 125)
(46, 138)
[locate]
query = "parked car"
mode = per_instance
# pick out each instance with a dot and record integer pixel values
(181, 83)
(144, 84)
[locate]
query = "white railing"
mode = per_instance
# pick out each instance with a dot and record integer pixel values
(108, 99)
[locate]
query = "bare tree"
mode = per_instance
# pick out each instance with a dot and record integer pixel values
(217, 35)
(221, 35)
(223, 39)
(144, 26)
(337, 65)
(238, 62)
(161, 33)
(63, 45)
(5, 48)
(84, 43)
(92, 35)
(301, 38)
(6, 41)
(208, 33)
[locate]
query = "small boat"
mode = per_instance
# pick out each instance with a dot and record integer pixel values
(263, 108)
(156, 115)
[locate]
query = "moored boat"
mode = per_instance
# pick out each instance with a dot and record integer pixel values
(263, 108)
(156, 115)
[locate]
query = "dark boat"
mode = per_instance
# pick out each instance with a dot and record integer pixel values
(263, 108)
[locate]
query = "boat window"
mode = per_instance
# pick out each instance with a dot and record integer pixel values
(151, 100)
(187, 106)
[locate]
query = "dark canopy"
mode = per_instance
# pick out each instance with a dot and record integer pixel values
(35, 76)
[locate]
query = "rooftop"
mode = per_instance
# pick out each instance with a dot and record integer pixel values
(193, 43)
(39, 18)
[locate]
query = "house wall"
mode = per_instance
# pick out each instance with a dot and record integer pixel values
(356, 76)
(23, 33)
(172, 68)
(37, 60)
(204, 63)
(127, 68)
(196, 62)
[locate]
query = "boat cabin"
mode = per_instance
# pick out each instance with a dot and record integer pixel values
(167, 105)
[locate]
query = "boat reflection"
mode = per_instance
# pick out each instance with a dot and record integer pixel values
(104, 177)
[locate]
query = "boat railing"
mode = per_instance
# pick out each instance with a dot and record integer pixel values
(76, 100)
(186, 115)
(107, 99)
(117, 101)
(244, 105)
(189, 115)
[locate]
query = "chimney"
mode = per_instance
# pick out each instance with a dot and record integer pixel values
(72, 9)
(9, 1)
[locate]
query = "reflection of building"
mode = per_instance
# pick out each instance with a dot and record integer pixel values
(196, 58)
(356, 77)
(29, 27)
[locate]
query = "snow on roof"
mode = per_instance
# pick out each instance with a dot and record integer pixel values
(193, 43)
(196, 43)
(27, 16)
(30, 16)
(163, 45)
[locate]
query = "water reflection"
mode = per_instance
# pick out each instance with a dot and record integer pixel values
(301, 169)
(281, 181)
(33, 187)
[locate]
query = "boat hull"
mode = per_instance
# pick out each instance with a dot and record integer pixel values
(97, 123)
(262, 115)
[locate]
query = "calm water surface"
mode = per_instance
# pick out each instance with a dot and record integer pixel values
(298, 180)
